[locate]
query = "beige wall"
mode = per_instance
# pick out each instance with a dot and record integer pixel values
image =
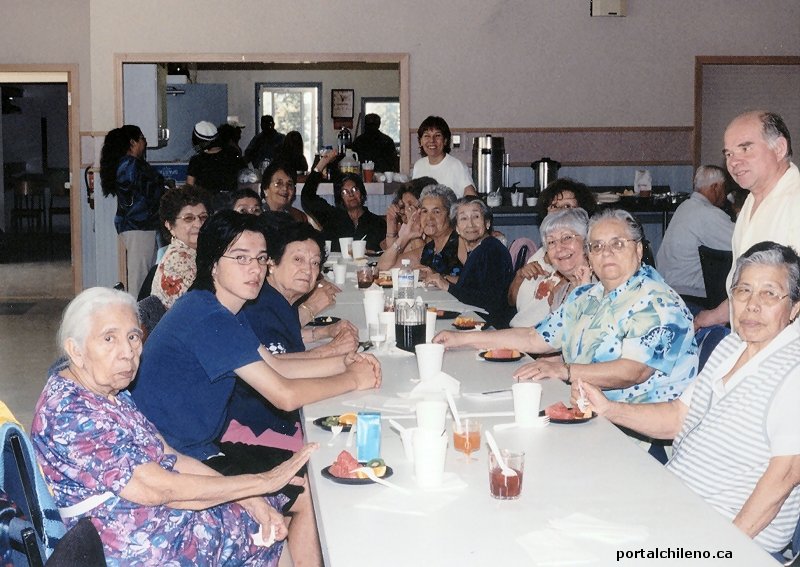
(479, 63)
(42, 31)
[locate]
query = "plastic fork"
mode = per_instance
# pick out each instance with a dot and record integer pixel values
(375, 478)
(335, 431)
(349, 442)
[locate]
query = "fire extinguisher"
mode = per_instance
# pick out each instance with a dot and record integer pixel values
(88, 177)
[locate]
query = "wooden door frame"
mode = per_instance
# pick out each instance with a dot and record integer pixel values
(74, 141)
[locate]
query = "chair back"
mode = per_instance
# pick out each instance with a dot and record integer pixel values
(34, 536)
(521, 249)
(715, 265)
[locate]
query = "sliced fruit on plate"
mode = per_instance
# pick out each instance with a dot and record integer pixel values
(343, 465)
(377, 466)
(501, 353)
(559, 411)
(347, 419)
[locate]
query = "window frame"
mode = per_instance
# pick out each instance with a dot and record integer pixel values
(275, 85)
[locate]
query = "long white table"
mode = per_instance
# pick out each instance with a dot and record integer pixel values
(591, 468)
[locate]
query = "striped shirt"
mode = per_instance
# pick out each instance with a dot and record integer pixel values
(724, 447)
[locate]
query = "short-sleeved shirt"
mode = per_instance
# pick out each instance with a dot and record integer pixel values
(88, 445)
(450, 172)
(276, 324)
(642, 320)
(445, 261)
(782, 415)
(186, 376)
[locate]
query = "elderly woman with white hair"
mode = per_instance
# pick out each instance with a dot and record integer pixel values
(488, 269)
(629, 334)
(737, 443)
(564, 238)
(100, 455)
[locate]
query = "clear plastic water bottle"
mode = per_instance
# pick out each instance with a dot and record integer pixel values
(405, 281)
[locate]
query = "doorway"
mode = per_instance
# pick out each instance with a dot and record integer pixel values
(37, 215)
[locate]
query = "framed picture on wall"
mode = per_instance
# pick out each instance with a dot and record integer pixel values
(342, 103)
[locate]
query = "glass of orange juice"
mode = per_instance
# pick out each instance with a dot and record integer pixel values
(468, 440)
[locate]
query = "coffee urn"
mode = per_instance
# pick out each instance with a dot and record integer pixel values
(487, 163)
(545, 171)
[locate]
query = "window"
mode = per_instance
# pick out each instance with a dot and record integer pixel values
(294, 106)
(388, 108)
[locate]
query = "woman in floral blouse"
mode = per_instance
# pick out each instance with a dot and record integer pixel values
(183, 211)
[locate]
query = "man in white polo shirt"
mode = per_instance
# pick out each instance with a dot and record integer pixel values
(758, 148)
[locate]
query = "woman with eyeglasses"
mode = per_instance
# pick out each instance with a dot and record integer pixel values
(246, 201)
(349, 217)
(183, 211)
(562, 194)
(564, 239)
(193, 357)
(278, 190)
(629, 334)
(138, 187)
(735, 427)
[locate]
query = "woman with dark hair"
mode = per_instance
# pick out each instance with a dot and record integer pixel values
(296, 252)
(138, 187)
(434, 138)
(278, 189)
(183, 211)
(246, 201)
(291, 152)
(402, 215)
(215, 166)
(350, 216)
(194, 355)
(565, 193)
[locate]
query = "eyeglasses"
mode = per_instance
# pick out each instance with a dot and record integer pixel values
(554, 207)
(765, 296)
(283, 184)
(615, 245)
(262, 260)
(350, 191)
(256, 210)
(565, 240)
(190, 218)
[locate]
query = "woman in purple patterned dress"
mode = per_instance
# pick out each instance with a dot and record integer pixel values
(151, 505)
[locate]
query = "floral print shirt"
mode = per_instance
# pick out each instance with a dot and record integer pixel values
(88, 444)
(176, 272)
(643, 320)
(445, 262)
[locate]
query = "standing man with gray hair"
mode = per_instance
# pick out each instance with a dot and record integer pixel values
(758, 150)
(697, 221)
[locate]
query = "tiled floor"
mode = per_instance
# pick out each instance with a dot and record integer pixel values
(32, 296)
